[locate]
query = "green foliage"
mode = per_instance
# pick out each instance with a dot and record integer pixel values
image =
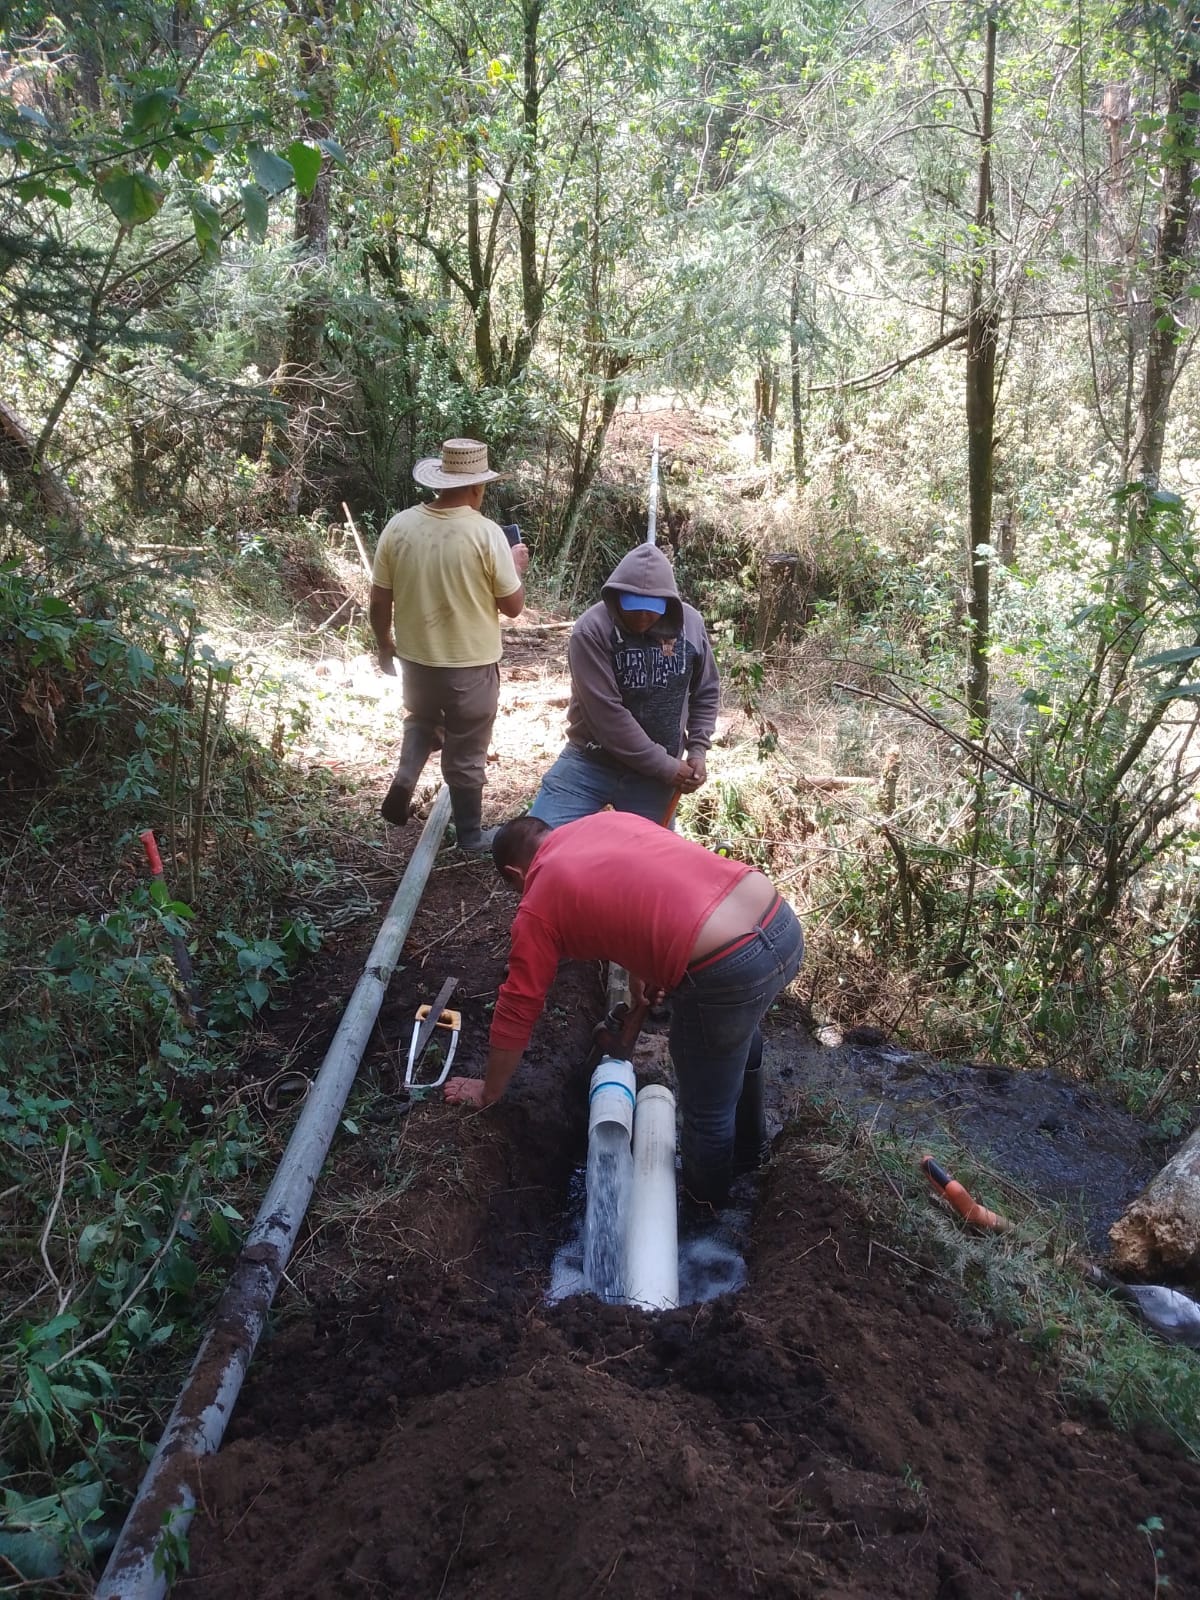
(120, 1128)
(1017, 895)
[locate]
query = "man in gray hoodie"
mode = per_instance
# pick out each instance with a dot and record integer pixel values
(644, 698)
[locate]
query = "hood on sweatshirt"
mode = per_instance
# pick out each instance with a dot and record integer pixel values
(645, 570)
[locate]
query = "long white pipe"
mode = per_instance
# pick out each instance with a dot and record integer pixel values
(652, 1234)
(167, 1497)
(652, 518)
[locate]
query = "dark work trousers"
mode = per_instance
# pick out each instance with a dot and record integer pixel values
(450, 709)
(715, 1013)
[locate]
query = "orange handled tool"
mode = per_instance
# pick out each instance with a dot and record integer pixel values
(955, 1195)
(669, 813)
(179, 949)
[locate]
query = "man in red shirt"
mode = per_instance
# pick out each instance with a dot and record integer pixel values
(713, 934)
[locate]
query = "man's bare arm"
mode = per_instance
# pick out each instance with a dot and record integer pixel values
(379, 613)
(512, 605)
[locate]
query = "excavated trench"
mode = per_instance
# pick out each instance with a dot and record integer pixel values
(422, 1421)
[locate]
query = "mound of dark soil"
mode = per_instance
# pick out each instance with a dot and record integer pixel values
(829, 1432)
(422, 1424)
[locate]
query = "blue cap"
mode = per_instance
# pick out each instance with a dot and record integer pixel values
(642, 602)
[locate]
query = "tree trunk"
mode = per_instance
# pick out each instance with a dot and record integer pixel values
(983, 321)
(296, 389)
(794, 362)
(1162, 1226)
(776, 597)
(766, 405)
(533, 290)
(1170, 277)
(588, 461)
(32, 480)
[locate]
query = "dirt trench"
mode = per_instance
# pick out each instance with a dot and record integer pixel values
(422, 1423)
(419, 1421)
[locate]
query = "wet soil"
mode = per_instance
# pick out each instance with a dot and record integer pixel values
(419, 1421)
(1061, 1143)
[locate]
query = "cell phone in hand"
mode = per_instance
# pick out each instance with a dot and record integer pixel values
(511, 532)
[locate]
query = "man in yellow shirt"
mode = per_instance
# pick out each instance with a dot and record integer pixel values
(443, 577)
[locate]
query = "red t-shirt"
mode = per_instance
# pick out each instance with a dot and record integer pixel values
(610, 887)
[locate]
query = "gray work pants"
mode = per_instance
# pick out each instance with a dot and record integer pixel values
(451, 709)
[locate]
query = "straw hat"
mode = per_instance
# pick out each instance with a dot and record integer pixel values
(462, 462)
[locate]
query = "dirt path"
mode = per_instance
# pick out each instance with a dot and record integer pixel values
(422, 1423)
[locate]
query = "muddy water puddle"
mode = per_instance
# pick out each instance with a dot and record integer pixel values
(1059, 1140)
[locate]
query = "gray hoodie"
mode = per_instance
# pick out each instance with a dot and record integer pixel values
(642, 699)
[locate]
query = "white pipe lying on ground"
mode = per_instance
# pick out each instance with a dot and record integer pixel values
(652, 1233)
(609, 1175)
(167, 1497)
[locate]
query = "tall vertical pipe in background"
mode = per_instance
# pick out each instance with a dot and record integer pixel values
(167, 1497)
(652, 517)
(652, 1233)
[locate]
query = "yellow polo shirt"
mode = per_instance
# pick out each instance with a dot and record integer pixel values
(446, 570)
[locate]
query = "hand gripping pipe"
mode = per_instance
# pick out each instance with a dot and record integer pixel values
(167, 1497)
(652, 1236)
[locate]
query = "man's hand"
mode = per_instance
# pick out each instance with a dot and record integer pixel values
(520, 555)
(387, 662)
(699, 766)
(686, 778)
(465, 1092)
(640, 990)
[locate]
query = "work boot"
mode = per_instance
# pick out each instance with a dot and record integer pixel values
(466, 807)
(751, 1147)
(396, 803)
(416, 747)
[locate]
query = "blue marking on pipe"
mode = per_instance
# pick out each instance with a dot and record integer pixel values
(611, 1083)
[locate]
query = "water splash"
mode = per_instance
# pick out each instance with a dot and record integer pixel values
(711, 1253)
(609, 1178)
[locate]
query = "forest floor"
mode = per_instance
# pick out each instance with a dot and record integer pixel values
(421, 1421)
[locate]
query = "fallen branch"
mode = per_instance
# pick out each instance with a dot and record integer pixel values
(362, 549)
(348, 601)
(64, 1295)
(182, 1211)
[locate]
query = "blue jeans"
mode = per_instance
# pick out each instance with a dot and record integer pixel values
(715, 1013)
(577, 785)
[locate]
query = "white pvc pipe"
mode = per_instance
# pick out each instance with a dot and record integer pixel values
(652, 516)
(652, 1233)
(609, 1178)
(167, 1497)
(612, 1095)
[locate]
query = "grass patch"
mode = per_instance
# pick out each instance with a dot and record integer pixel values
(1029, 1282)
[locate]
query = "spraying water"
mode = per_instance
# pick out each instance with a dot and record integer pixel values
(609, 1176)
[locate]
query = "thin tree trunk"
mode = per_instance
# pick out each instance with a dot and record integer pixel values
(297, 386)
(982, 326)
(1170, 276)
(581, 483)
(766, 405)
(533, 290)
(794, 359)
